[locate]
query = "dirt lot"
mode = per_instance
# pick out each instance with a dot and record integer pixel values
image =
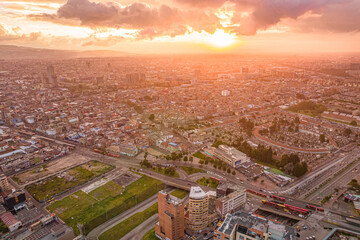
(267, 184)
(50, 168)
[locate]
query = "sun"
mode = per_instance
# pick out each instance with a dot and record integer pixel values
(222, 39)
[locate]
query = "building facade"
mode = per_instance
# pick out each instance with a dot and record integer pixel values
(231, 156)
(198, 212)
(230, 203)
(171, 217)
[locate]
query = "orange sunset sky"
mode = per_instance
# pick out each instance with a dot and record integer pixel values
(183, 26)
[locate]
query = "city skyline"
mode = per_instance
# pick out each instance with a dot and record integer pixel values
(182, 26)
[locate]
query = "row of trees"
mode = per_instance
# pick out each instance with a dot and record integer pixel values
(169, 171)
(260, 153)
(217, 164)
(291, 164)
(293, 126)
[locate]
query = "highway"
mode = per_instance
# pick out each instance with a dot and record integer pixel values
(325, 171)
(338, 182)
(96, 232)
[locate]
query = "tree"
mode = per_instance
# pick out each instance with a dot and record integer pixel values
(185, 159)
(145, 163)
(233, 172)
(322, 138)
(353, 123)
(297, 128)
(228, 170)
(191, 159)
(152, 117)
(347, 132)
(299, 169)
(201, 162)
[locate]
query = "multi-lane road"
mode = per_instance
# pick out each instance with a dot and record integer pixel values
(317, 177)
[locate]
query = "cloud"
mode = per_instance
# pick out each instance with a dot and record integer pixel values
(335, 15)
(341, 17)
(203, 3)
(150, 22)
(14, 34)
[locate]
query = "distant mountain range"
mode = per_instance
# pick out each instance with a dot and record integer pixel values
(17, 52)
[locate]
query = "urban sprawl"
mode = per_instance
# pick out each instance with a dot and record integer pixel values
(180, 147)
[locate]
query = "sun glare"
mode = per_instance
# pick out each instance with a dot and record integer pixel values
(222, 39)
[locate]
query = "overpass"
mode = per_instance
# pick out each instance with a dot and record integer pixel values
(170, 181)
(281, 213)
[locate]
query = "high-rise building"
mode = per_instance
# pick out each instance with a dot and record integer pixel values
(4, 184)
(197, 217)
(51, 75)
(135, 78)
(171, 217)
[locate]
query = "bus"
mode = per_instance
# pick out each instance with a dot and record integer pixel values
(278, 198)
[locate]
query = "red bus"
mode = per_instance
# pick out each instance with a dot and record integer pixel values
(320, 209)
(215, 179)
(262, 195)
(278, 198)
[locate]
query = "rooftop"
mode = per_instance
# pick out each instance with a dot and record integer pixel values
(197, 193)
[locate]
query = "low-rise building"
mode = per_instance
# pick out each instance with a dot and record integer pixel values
(241, 225)
(10, 221)
(231, 156)
(123, 149)
(230, 203)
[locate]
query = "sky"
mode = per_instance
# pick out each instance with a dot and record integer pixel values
(184, 26)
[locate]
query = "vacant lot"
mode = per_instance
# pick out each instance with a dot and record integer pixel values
(129, 224)
(59, 183)
(50, 168)
(102, 204)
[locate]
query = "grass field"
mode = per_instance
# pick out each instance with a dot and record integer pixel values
(150, 235)
(103, 203)
(279, 172)
(129, 224)
(179, 193)
(192, 170)
(164, 171)
(199, 155)
(76, 176)
(208, 182)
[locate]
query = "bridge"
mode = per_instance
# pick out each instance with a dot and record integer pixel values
(170, 181)
(281, 213)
